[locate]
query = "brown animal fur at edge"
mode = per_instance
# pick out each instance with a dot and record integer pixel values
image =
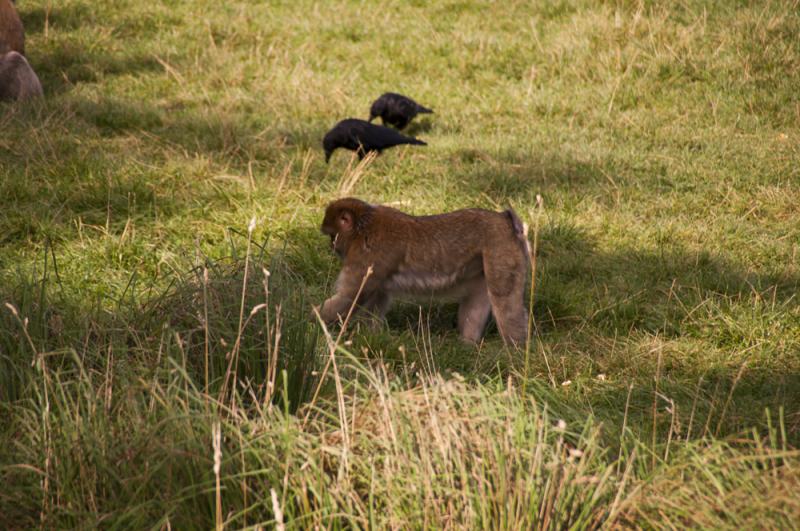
(18, 81)
(476, 257)
(12, 36)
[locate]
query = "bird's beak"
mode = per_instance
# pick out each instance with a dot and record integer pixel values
(327, 156)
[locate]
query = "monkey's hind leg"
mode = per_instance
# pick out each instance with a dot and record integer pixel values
(473, 312)
(18, 81)
(506, 283)
(512, 319)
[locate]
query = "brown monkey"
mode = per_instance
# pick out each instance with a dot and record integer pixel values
(477, 257)
(12, 37)
(18, 81)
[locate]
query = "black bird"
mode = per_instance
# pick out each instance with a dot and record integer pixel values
(396, 109)
(363, 137)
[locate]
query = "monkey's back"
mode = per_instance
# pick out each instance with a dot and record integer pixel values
(431, 252)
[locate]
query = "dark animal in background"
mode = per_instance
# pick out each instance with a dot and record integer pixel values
(18, 81)
(12, 36)
(362, 137)
(476, 257)
(396, 109)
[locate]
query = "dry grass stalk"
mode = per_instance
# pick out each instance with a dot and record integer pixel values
(352, 175)
(216, 438)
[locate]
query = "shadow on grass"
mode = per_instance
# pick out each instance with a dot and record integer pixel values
(194, 322)
(67, 62)
(659, 292)
(57, 173)
(419, 126)
(722, 339)
(66, 17)
(520, 175)
(238, 137)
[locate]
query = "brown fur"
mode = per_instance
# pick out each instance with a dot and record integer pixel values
(18, 81)
(12, 36)
(477, 257)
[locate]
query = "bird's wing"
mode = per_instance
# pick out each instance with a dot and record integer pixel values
(406, 107)
(355, 134)
(383, 137)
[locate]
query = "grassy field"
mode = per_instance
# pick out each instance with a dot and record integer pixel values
(160, 252)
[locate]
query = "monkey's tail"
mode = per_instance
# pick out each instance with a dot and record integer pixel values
(520, 231)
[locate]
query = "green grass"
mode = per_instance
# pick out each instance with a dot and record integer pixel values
(662, 137)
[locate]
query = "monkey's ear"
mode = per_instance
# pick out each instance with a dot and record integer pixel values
(345, 221)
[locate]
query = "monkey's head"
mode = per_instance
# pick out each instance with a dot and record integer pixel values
(344, 219)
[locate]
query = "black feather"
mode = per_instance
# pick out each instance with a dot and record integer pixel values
(396, 109)
(362, 137)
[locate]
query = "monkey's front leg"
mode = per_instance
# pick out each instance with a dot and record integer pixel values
(335, 308)
(348, 286)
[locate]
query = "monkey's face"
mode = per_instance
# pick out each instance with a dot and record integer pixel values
(338, 225)
(338, 245)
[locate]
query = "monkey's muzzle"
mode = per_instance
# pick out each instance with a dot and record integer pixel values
(337, 251)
